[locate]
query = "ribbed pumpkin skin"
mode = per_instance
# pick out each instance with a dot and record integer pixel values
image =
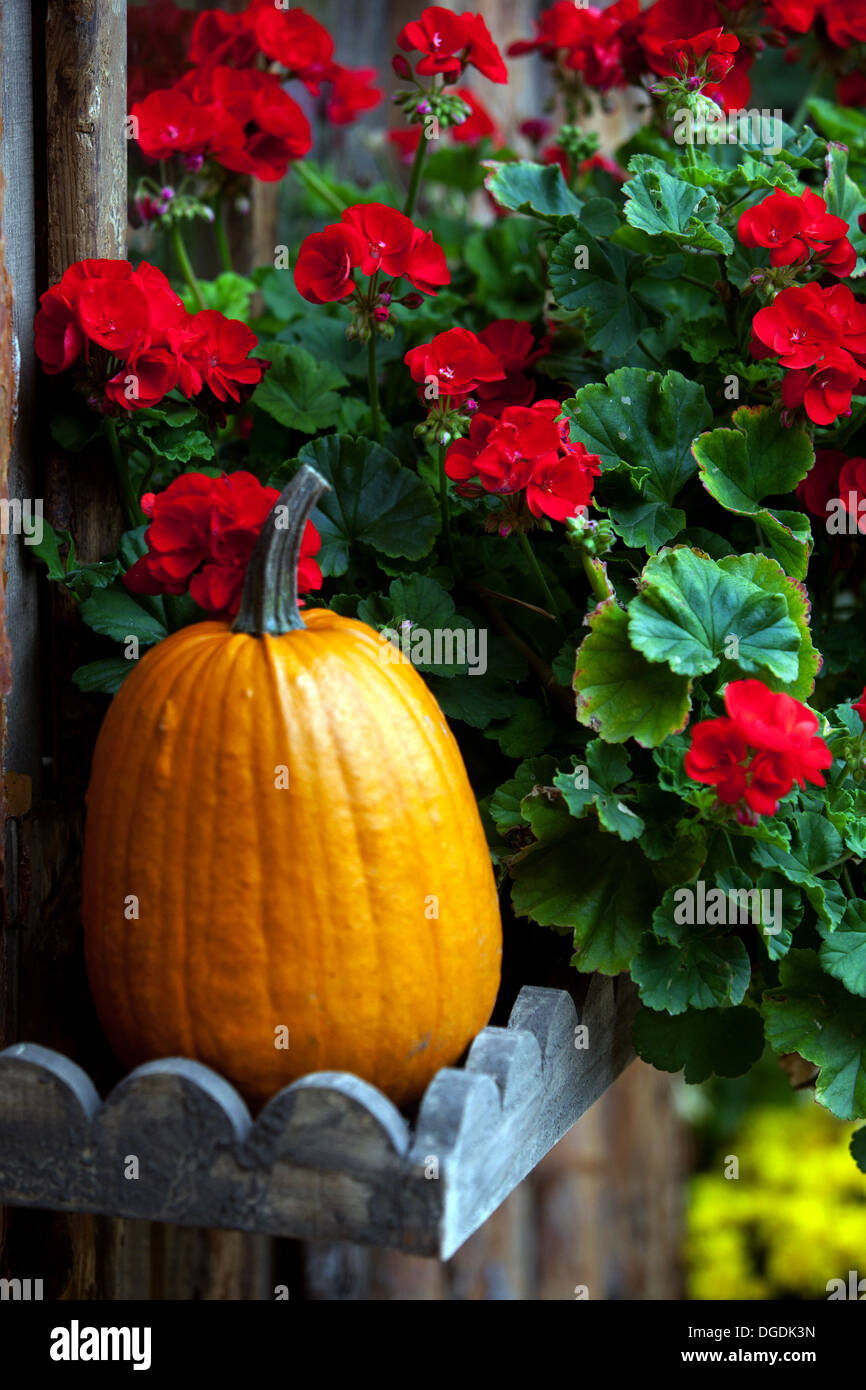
(302, 907)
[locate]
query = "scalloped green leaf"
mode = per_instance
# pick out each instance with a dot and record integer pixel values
(691, 607)
(642, 426)
(539, 190)
(760, 458)
(298, 391)
(615, 319)
(598, 783)
(618, 692)
(659, 203)
(679, 966)
(372, 501)
(704, 1042)
(815, 1015)
(505, 803)
(769, 576)
(843, 951)
(576, 876)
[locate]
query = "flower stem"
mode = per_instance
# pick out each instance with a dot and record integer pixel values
(314, 183)
(543, 584)
(594, 571)
(130, 503)
(186, 264)
(373, 385)
(222, 239)
(443, 506)
(415, 176)
(799, 117)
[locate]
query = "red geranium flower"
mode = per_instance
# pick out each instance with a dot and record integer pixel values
(350, 94)
(222, 38)
(453, 363)
(797, 326)
(821, 483)
(170, 123)
(796, 227)
(588, 40)
(710, 53)
(385, 237)
(145, 378)
(798, 16)
(824, 391)
(450, 43)
(767, 742)
(325, 268)
(113, 313)
(224, 362)
(296, 40)
(426, 268)
(58, 338)
(201, 536)
(512, 343)
(846, 22)
(714, 758)
(860, 706)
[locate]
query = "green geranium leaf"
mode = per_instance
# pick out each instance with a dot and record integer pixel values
(115, 613)
(596, 783)
(229, 293)
(577, 876)
(584, 275)
(760, 458)
(690, 609)
(680, 966)
(102, 677)
(505, 803)
(705, 1042)
(662, 205)
(769, 576)
(842, 123)
(373, 501)
(813, 1014)
(537, 189)
(426, 625)
(642, 426)
(759, 174)
(527, 731)
(298, 391)
(618, 692)
(477, 700)
(815, 846)
(843, 951)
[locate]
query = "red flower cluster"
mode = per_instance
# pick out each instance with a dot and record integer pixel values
(473, 129)
(667, 23)
(819, 336)
(708, 56)
(453, 366)
(860, 706)
(450, 43)
(796, 228)
(227, 109)
(138, 320)
(587, 40)
(526, 448)
(753, 757)
(201, 536)
(371, 237)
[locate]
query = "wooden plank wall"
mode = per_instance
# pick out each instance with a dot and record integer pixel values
(602, 1210)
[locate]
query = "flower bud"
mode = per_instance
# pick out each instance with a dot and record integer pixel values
(401, 66)
(412, 301)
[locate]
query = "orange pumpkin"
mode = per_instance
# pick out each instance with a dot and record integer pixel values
(282, 846)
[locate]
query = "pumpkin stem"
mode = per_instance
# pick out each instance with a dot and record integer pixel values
(269, 602)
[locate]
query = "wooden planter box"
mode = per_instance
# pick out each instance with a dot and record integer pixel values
(329, 1157)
